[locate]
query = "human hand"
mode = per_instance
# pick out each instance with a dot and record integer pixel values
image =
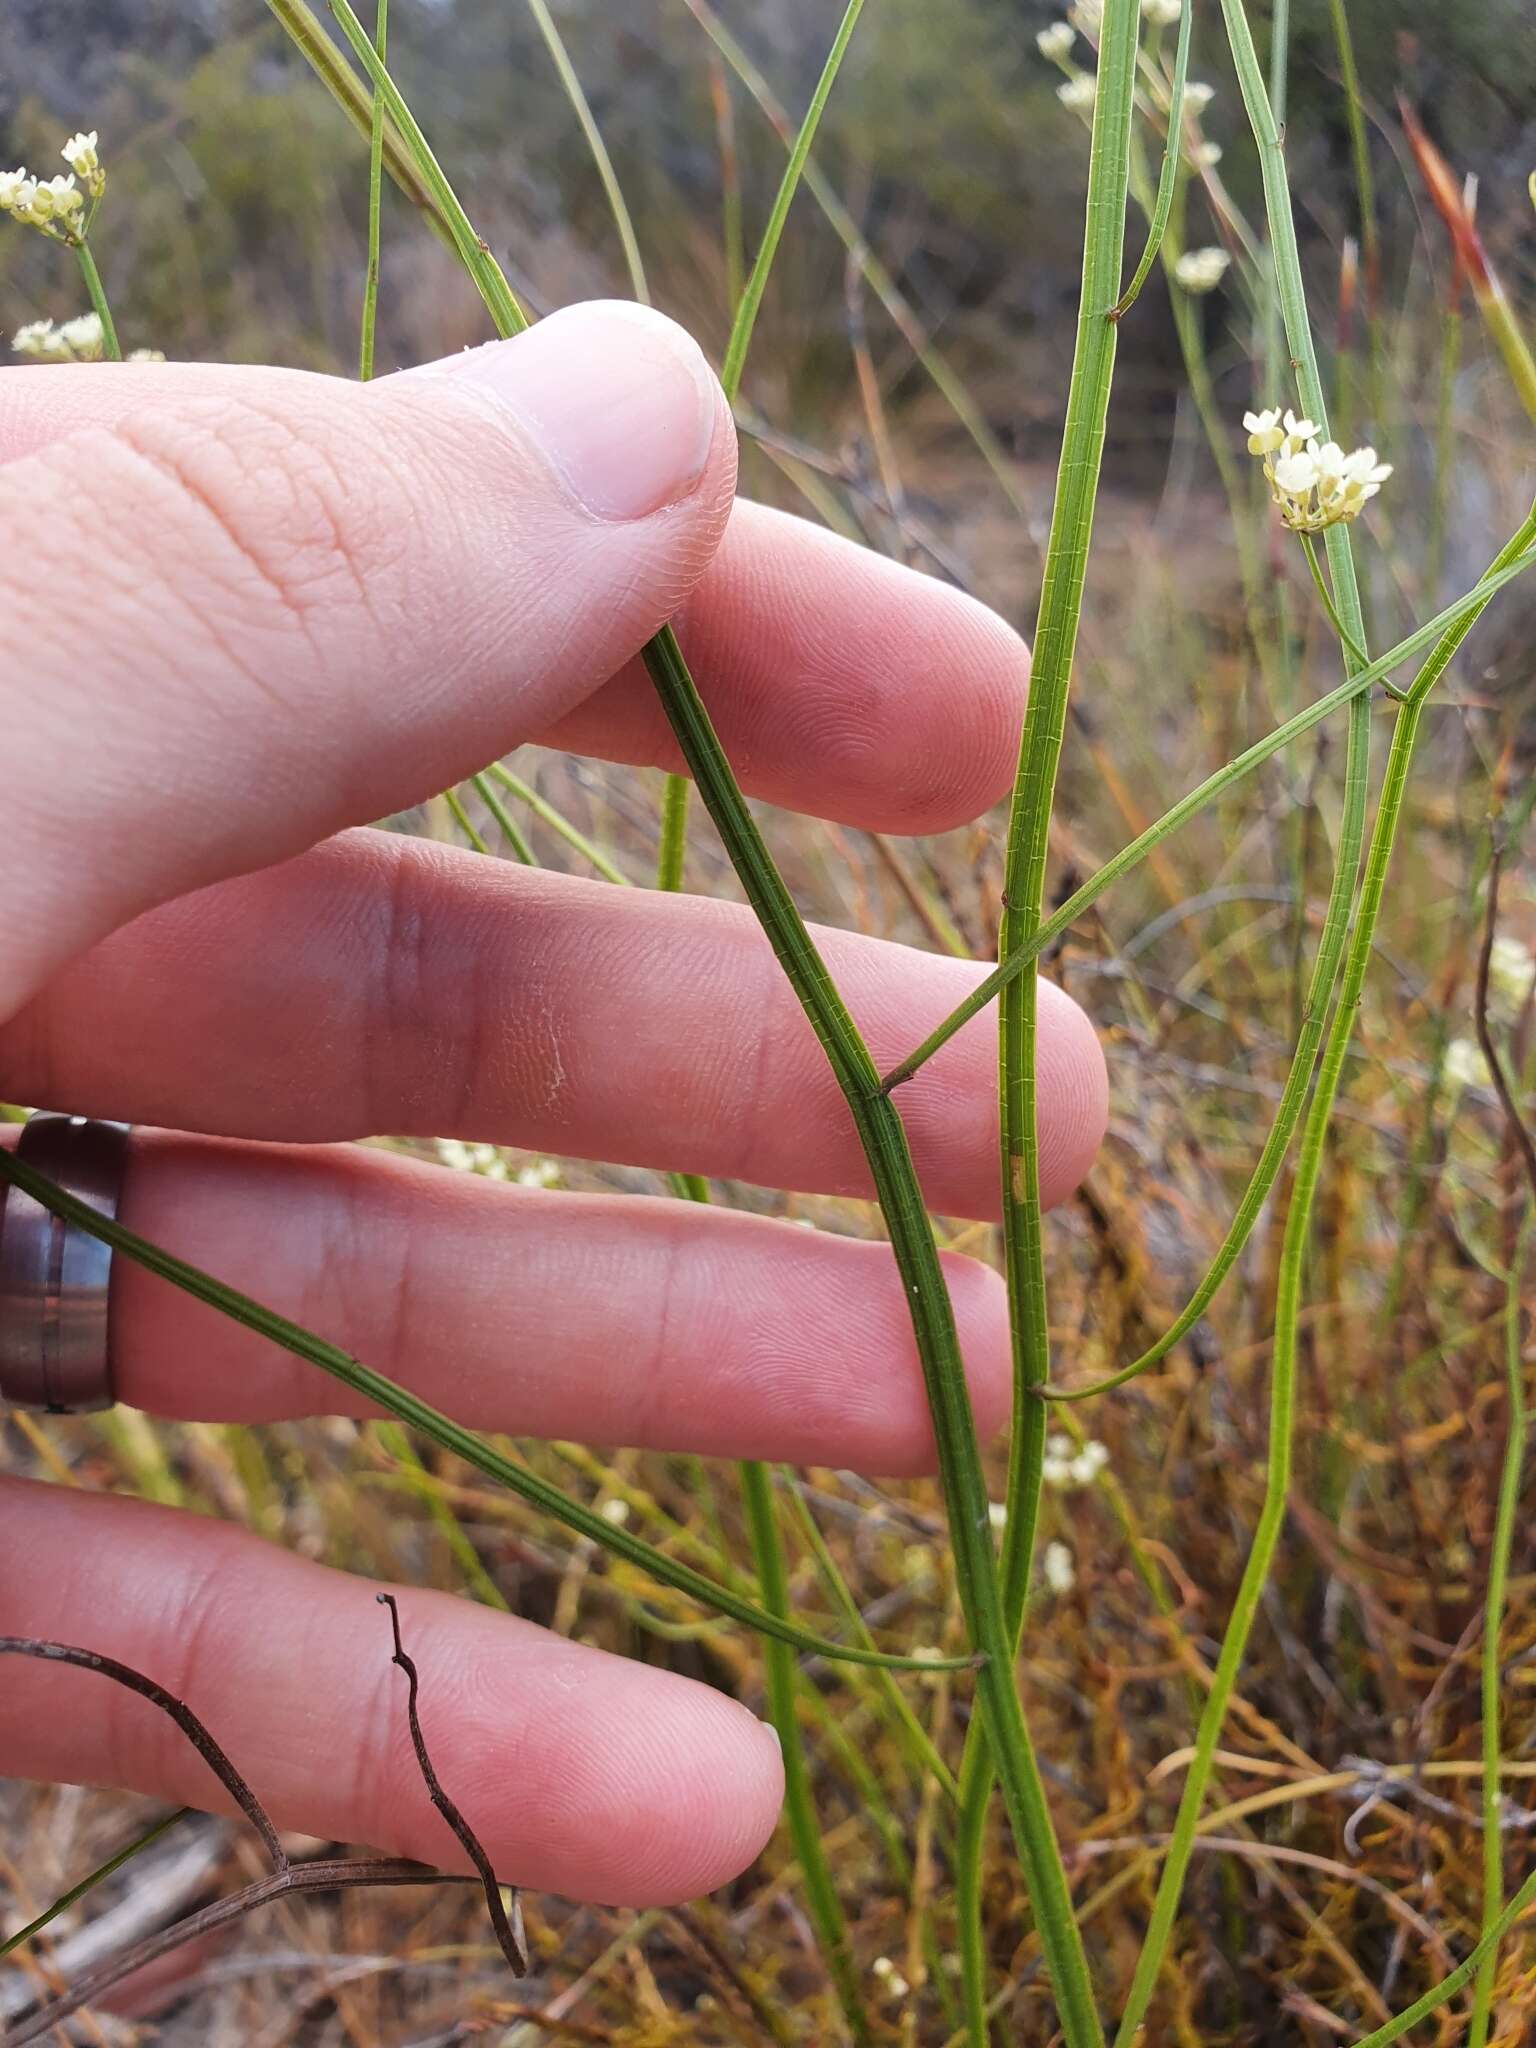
(243, 610)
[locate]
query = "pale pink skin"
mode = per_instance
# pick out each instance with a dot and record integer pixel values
(247, 610)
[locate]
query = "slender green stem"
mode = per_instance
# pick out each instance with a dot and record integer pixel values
(1493, 1622)
(944, 378)
(98, 1876)
(757, 277)
(672, 846)
(500, 300)
(1360, 156)
(441, 1429)
(111, 347)
(885, 1147)
(1136, 850)
(375, 199)
(919, 1742)
(506, 824)
(1350, 646)
(463, 820)
(799, 1801)
(1434, 1998)
(1287, 1309)
(581, 108)
(558, 822)
(1168, 176)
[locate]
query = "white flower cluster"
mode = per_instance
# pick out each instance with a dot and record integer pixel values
(486, 1160)
(56, 206)
(1315, 484)
(1201, 270)
(52, 204)
(73, 341)
(890, 1979)
(1065, 1466)
(1162, 13)
(1079, 92)
(1058, 1569)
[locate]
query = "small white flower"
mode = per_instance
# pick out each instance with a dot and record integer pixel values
(538, 1173)
(1056, 41)
(83, 336)
(1207, 155)
(38, 338)
(1201, 270)
(1057, 1568)
(1295, 475)
(1079, 92)
(1511, 965)
(1197, 95)
(1465, 1066)
(1162, 13)
(11, 184)
(891, 1979)
(616, 1512)
(66, 195)
(997, 1515)
(1265, 432)
(1089, 1463)
(454, 1153)
(80, 154)
(146, 355)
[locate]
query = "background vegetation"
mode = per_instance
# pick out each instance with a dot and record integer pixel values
(1343, 1871)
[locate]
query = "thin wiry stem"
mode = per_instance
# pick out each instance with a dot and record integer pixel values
(111, 347)
(1136, 850)
(1061, 597)
(1287, 1309)
(1168, 176)
(581, 107)
(375, 200)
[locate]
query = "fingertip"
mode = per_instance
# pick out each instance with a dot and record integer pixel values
(626, 1786)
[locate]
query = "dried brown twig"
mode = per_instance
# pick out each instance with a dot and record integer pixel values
(286, 1878)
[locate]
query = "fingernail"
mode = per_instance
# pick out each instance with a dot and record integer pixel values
(619, 400)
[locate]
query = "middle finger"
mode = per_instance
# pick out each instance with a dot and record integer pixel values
(382, 984)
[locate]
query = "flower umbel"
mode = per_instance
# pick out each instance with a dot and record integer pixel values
(1201, 270)
(57, 206)
(1315, 484)
(74, 341)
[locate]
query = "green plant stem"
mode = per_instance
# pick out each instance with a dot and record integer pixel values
(757, 277)
(821, 1897)
(1287, 1309)
(672, 845)
(1066, 564)
(463, 820)
(1365, 195)
(111, 347)
(941, 374)
(885, 1147)
(558, 822)
(1350, 646)
(1168, 176)
(441, 1429)
(1493, 1622)
(1508, 338)
(1434, 1998)
(586, 120)
(375, 200)
(506, 824)
(98, 1876)
(1136, 850)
